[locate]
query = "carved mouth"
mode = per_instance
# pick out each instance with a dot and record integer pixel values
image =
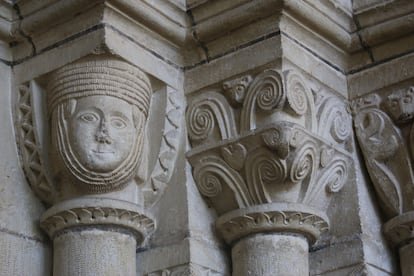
(102, 152)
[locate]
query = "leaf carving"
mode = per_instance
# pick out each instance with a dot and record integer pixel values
(386, 186)
(386, 158)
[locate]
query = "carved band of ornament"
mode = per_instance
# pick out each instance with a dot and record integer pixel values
(400, 230)
(210, 115)
(30, 146)
(186, 270)
(272, 218)
(64, 216)
(171, 137)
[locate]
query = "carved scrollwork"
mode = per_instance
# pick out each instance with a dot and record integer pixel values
(329, 180)
(211, 173)
(335, 120)
(263, 169)
(304, 162)
(267, 93)
(278, 139)
(296, 95)
(208, 113)
(384, 153)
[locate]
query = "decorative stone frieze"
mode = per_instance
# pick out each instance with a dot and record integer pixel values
(268, 153)
(384, 127)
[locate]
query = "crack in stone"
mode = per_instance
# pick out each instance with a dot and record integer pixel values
(21, 32)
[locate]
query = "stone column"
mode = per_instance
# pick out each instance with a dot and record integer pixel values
(93, 236)
(268, 239)
(400, 231)
(265, 164)
(94, 172)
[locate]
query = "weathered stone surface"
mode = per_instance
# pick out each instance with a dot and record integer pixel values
(280, 74)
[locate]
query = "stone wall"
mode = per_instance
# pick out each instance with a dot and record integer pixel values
(277, 141)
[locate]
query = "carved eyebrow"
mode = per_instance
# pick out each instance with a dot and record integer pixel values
(89, 109)
(119, 114)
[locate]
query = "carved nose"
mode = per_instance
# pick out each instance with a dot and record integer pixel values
(103, 135)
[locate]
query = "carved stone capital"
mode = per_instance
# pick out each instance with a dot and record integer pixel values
(400, 229)
(276, 217)
(280, 163)
(385, 132)
(94, 212)
(269, 139)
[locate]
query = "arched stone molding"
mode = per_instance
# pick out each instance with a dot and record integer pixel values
(269, 159)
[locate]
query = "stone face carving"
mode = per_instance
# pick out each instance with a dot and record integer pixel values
(98, 110)
(34, 144)
(400, 105)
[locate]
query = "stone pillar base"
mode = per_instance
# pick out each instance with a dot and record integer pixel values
(271, 254)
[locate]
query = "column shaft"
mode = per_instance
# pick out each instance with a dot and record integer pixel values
(89, 252)
(271, 254)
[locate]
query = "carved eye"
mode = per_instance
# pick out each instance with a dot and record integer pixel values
(89, 117)
(407, 100)
(118, 123)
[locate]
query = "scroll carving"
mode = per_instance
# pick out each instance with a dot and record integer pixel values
(280, 147)
(266, 93)
(210, 115)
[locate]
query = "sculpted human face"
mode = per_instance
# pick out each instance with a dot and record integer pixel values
(101, 132)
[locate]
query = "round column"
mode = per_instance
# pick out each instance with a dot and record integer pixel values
(271, 254)
(271, 239)
(94, 236)
(400, 231)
